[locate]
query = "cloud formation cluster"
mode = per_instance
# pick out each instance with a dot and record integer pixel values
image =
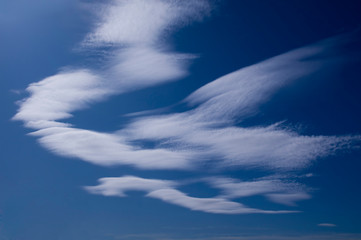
(209, 132)
(135, 61)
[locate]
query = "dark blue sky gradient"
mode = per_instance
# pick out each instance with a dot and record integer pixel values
(41, 195)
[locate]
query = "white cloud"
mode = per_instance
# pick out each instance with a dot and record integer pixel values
(108, 149)
(288, 198)
(209, 127)
(117, 186)
(131, 22)
(207, 134)
(233, 188)
(136, 67)
(240, 93)
(210, 205)
(143, 22)
(269, 147)
(55, 97)
(183, 140)
(131, 67)
(273, 188)
(158, 127)
(165, 191)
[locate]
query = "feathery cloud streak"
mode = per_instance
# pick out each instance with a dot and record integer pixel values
(210, 128)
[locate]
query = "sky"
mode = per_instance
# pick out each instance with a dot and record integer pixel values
(180, 120)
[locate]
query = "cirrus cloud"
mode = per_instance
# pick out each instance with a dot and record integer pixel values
(209, 132)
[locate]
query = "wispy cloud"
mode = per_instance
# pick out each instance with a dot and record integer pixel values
(55, 97)
(276, 190)
(165, 191)
(135, 61)
(117, 186)
(143, 22)
(133, 36)
(210, 205)
(271, 147)
(239, 94)
(288, 198)
(182, 140)
(108, 149)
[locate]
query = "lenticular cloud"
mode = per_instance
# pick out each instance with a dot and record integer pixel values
(209, 133)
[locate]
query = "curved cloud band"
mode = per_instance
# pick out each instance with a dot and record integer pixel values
(165, 191)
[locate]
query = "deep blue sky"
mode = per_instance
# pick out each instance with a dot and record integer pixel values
(42, 194)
